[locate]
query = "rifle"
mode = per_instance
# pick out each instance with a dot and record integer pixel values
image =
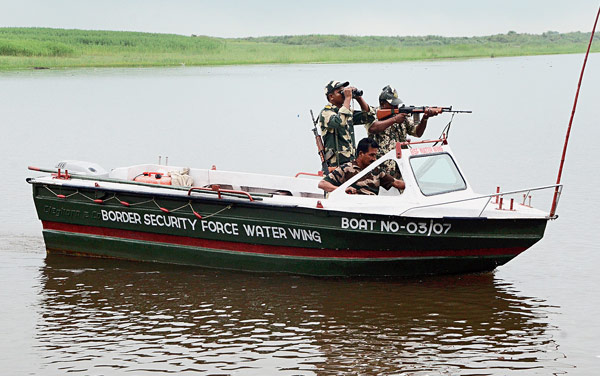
(320, 147)
(384, 113)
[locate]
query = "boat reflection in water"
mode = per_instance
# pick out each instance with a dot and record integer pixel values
(108, 316)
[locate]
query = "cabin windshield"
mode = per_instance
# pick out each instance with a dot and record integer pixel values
(436, 174)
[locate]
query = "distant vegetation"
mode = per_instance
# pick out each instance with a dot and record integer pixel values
(51, 48)
(512, 38)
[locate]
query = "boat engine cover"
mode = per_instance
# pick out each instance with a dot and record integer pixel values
(82, 168)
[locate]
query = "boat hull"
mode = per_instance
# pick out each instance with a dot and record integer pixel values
(255, 236)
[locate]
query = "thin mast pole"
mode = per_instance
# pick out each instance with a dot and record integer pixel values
(564, 153)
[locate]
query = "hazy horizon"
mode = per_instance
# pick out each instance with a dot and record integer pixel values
(240, 19)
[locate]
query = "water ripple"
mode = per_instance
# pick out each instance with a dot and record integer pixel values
(104, 316)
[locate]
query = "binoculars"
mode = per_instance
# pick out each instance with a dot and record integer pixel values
(355, 93)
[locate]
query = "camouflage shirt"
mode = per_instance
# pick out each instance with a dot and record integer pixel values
(387, 139)
(337, 130)
(367, 185)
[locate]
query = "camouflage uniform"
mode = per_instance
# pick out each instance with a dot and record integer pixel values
(388, 138)
(337, 130)
(367, 185)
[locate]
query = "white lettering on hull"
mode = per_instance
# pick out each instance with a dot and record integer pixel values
(429, 228)
(209, 226)
(156, 220)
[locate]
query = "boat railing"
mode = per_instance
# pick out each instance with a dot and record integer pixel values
(319, 174)
(220, 192)
(499, 199)
(66, 175)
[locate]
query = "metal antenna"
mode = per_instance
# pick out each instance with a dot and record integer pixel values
(564, 153)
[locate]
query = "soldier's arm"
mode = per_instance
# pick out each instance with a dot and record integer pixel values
(327, 186)
(331, 120)
(364, 117)
(388, 181)
(347, 96)
(330, 182)
(417, 128)
(363, 104)
(379, 126)
(420, 128)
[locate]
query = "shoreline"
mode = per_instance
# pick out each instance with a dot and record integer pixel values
(175, 66)
(44, 48)
(241, 64)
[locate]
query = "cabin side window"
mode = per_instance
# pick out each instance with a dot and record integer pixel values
(436, 174)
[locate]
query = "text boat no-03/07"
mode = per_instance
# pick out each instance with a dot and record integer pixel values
(267, 223)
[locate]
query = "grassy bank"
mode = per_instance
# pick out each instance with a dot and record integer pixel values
(22, 48)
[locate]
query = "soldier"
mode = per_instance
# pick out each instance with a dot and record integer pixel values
(337, 121)
(395, 128)
(368, 184)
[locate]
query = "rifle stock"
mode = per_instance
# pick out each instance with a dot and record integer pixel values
(320, 147)
(384, 113)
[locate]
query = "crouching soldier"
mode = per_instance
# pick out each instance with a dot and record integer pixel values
(368, 184)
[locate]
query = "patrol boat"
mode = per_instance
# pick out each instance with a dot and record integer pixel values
(265, 223)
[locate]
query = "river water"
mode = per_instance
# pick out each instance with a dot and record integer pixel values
(537, 315)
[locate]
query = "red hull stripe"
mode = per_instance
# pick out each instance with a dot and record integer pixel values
(277, 250)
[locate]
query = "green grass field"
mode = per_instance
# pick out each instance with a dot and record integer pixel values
(26, 48)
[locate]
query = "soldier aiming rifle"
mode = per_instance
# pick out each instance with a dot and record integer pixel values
(396, 121)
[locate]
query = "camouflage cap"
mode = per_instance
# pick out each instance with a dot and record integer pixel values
(390, 95)
(332, 85)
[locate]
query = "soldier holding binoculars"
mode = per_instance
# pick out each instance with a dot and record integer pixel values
(337, 121)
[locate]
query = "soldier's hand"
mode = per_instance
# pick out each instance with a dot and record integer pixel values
(431, 111)
(398, 183)
(348, 91)
(351, 190)
(399, 118)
